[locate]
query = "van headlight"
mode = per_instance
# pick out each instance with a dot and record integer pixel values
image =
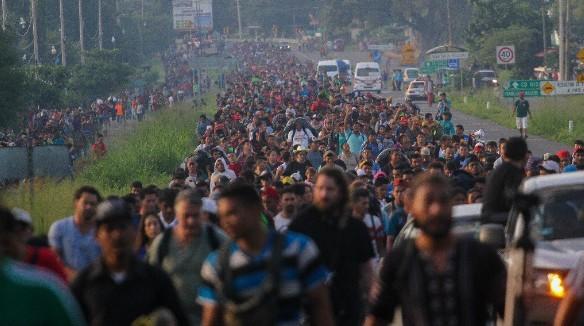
(550, 283)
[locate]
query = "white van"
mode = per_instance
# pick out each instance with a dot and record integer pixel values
(367, 77)
(330, 67)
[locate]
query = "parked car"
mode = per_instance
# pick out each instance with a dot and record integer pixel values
(328, 67)
(484, 78)
(367, 77)
(557, 230)
(410, 74)
(417, 91)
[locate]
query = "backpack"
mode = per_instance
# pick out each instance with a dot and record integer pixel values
(262, 308)
(164, 246)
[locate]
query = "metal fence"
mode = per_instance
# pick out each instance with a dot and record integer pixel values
(47, 161)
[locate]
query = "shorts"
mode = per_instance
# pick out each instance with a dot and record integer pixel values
(521, 122)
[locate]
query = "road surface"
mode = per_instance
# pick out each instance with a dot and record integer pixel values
(493, 131)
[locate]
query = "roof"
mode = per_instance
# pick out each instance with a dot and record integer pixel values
(539, 183)
(327, 63)
(367, 64)
(446, 48)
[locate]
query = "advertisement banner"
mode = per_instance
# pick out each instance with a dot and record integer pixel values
(192, 15)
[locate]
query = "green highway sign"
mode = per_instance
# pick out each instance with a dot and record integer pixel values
(515, 92)
(524, 84)
(431, 67)
(531, 88)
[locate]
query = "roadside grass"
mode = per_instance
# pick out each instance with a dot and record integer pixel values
(550, 115)
(150, 154)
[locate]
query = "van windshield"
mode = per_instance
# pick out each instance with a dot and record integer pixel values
(561, 216)
(368, 72)
(412, 73)
(323, 69)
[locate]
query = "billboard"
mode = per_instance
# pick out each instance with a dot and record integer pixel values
(192, 15)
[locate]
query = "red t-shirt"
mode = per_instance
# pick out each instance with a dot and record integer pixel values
(45, 258)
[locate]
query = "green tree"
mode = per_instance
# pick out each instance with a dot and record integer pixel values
(45, 85)
(11, 81)
(102, 75)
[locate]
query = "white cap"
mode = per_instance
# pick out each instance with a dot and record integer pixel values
(22, 216)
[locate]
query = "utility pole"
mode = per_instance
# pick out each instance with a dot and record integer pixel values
(544, 32)
(35, 36)
(3, 15)
(62, 22)
(238, 19)
(99, 26)
(449, 23)
(81, 37)
(562, 66)
(567, 42)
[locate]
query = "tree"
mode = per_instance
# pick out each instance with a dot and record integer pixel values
(45, 86)
(102, 75)
(11, 81)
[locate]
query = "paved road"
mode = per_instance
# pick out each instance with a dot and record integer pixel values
(493, 131)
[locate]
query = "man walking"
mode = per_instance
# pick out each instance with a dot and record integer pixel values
(289, 203)
(181, 250)
(72, 238)
(261, 277)
(344, 244)
(436, 278)
(119, 288)
(521, 111)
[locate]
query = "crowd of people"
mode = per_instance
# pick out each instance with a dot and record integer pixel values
(286, 213)
(81, 128)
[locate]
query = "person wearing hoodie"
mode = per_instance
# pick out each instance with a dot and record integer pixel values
(221, 169)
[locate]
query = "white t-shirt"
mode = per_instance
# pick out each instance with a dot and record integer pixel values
(281, 223)
(300, 137)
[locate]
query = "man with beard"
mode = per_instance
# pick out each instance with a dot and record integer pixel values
(72, 238)
(436, 278)
(289, 203)
(344, 244)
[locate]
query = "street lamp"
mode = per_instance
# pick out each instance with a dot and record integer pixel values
(53, 50)
(22, 23)
(114, 41)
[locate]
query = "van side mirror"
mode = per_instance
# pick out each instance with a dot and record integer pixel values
(492, 235)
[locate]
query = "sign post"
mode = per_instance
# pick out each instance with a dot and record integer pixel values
(505, 54)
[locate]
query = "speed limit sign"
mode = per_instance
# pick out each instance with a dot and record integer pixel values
(505, 54)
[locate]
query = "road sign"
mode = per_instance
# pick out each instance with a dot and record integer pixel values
(515, 93)
(524, 84)
(447, 55)
(554, 88)
(580, 55)
(453, 63)
(529, 87)
(431, 67)
(380, 47)
(505, 54)
(580, 78)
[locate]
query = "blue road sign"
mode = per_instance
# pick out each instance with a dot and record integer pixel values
(453, 63)
(376, 55)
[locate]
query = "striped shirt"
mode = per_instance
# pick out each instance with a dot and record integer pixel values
(300, 271)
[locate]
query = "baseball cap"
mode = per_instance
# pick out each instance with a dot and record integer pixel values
(563, 154)
(113, 211)
(550, 166)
